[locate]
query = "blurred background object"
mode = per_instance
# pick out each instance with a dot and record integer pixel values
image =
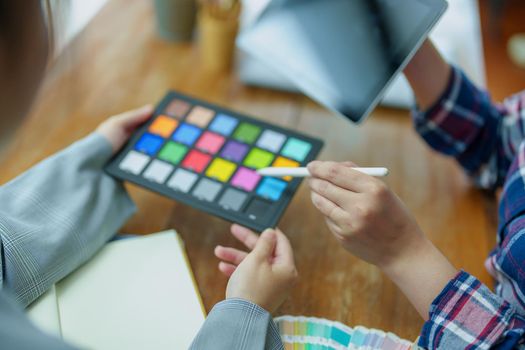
(516, 49)
(175, 19)
(68, 18)
(218, 26)
(501, 20)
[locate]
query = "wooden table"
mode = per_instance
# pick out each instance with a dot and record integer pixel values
(118, 63)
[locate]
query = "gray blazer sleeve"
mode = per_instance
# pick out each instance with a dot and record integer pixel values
(17, 331)
(238, 324)
(55, 216)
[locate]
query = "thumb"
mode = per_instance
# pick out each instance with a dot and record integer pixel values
(283, 249)
(265, 244)
(349, 164)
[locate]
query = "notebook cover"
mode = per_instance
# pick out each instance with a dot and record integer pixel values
(135, 293)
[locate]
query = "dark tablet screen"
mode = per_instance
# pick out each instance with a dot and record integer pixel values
(342, 53)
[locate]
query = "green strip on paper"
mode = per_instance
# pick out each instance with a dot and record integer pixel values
(327, 331)
(316, 329)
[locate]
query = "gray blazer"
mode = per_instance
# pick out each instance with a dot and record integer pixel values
(54, 217)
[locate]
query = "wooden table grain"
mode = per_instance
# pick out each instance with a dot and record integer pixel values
(119, 63)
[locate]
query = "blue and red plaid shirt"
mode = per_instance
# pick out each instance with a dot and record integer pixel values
(488, 140)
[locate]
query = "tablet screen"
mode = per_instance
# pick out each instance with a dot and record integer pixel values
(341, 53)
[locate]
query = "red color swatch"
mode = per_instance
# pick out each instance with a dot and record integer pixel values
(196, 161)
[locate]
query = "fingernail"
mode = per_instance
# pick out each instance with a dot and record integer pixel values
(268, 233)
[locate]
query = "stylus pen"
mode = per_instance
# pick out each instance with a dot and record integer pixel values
(303, 172)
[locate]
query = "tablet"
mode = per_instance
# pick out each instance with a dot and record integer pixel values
(341, 53)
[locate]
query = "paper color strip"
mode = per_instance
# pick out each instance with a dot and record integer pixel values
(310, 333)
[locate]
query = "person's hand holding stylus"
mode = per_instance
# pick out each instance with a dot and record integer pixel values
(364, 215)
(372, 223)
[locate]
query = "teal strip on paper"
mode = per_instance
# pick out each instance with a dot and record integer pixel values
(340, 336)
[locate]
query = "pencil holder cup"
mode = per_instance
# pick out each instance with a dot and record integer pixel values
(176, 19)
(217, 33)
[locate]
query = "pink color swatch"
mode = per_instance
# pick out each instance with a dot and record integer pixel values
(246, 179)
(210, 142)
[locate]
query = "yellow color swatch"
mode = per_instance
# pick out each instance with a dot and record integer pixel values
(221, 169)
(163, 126)
(282, 162)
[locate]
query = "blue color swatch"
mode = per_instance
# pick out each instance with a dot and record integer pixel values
(271, 188)
(224, 124)
(186, 134)
(149, 144)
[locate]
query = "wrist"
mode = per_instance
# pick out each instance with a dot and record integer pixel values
(413, 252)
(421, 274)
(240, 303)
(249, 301)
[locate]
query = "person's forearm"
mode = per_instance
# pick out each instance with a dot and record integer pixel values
(57, 215)
(428, 74)
(422, 276)
(237, 324)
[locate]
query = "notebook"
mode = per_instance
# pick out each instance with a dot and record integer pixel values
(136, 293)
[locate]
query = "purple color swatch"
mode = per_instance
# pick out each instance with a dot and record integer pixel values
(234, 151)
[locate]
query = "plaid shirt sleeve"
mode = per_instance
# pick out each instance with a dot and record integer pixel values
(488, 141)
(467, 315)
(464, 123)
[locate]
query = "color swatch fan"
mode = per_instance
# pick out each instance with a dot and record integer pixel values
(207, 156)
(310, 333)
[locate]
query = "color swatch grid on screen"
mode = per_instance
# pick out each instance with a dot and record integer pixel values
(310, 333)
(207, 156)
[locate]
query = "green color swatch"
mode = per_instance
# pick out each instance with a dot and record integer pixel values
(247, 133)
(257, 158)
(173, 152)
